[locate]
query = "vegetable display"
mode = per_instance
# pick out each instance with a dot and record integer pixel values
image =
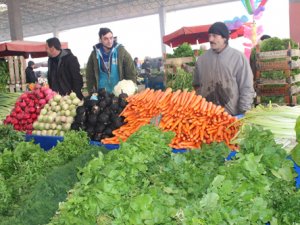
(280, 120)
(139, 183)
(57, 115)
(28, 107)
(4, 76)
(7, 102)
(194, 120)
(100, 116)
(183, 50)
(180, 80)
(9, 138)
(40, 204)
(125, 86)
(144, 183)
(21, 168)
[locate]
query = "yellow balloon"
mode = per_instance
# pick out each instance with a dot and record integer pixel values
(254, 34)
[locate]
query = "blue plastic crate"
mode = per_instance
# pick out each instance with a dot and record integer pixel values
(107, 146)
(45, 142)
(156, 83)
(48, 142)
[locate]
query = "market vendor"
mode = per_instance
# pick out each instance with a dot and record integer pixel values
(109, 63)
(223, 74)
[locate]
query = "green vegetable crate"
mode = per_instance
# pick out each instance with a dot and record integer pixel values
(275, 75)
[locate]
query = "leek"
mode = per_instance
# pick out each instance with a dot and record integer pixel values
(280, 120)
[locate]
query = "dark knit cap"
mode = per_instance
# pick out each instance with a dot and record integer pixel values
(220, 29)
(103, 31)
(30, 63)
(264, 37)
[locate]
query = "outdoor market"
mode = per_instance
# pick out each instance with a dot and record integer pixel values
(200, 136)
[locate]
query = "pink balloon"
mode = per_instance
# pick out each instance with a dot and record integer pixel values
(247, 52)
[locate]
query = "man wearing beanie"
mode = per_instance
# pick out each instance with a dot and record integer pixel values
(223, 74)
(109, 63)
(30, 74)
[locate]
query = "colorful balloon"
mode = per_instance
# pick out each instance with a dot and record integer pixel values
(236, 22)
(253, 5)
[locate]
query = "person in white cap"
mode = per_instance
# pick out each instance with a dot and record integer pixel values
(223, 74)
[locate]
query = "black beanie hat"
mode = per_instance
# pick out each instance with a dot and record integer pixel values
(103, 31)
(30, 63)
(220, 29)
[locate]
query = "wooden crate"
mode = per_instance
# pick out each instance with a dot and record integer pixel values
(270, 90)
(16, 66)
(171, 64)
(178, 61)
(286, 87)
(281, 54)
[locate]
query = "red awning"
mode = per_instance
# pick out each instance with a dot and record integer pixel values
(194, 35)
(25, 48)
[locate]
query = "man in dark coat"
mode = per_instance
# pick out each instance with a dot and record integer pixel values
(30, 75)
(63, 69)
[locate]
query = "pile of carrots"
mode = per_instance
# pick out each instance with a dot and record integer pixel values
(194, 120)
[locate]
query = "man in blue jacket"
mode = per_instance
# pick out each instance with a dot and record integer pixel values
(108, 64)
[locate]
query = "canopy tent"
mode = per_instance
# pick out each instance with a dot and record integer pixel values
(25, 48)
(195, 35)
(16, 52)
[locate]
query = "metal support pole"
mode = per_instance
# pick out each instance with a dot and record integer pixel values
(162, 23)
(15, 19)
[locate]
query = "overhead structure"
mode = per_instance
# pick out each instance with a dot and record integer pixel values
(44, 16)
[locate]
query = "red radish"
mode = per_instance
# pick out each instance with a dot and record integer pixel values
(19, 116)
(37, 111)
(26, 110)
(37, 86)
(31, 109)
(13, 114)
(23, 105)
(26, 116)
(48, 97)
(31, 104)
(42, 101)
(48, 92)
(24, 96)
(18, 109)
(41, 95)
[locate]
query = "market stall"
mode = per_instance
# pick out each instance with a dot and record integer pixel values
(145, 180)
(15, 52)
(195, 35)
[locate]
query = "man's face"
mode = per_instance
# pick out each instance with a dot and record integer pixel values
(217, 42)
(107, 40)
(49, 50)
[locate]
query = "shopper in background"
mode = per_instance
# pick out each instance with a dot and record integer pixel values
(264, 37)
(146, 64)
(30, 74)
(136, 62)
(223, 74)
(63, 69)
(108, 63)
